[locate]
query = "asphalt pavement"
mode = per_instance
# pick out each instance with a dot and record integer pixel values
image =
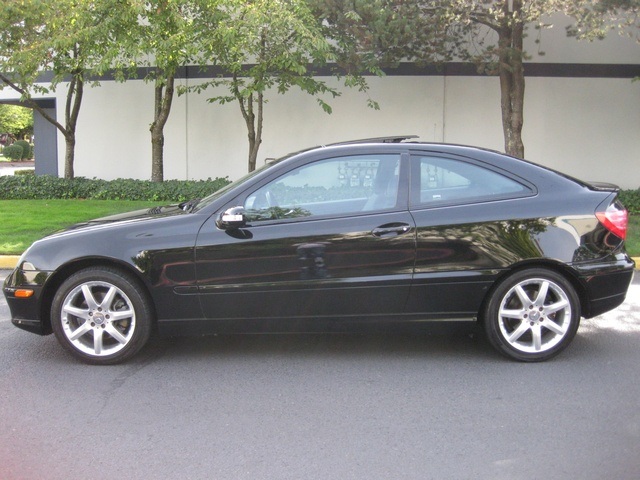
(324, 407)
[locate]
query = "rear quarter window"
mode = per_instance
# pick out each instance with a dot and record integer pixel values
(439, 181)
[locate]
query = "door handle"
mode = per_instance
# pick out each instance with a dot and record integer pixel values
(392, 229)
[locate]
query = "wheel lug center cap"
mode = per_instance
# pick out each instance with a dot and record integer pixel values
(535, 316)
(98, 319)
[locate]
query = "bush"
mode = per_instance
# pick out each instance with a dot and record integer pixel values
(27, 149)
(631, 200)
(13, 152)
(28, 171)
(44, 187)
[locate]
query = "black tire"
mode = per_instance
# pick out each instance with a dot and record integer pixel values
(532, 315)
(101, 315)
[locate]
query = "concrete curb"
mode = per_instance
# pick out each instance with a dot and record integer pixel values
(9, 262)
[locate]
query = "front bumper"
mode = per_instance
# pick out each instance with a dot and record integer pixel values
(26, 313)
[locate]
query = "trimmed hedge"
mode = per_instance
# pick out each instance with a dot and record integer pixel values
(27, 149)
(13, 152)
(44, 187)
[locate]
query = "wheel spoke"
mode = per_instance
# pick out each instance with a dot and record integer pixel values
(556, 307)
(522, 295)
(121, 315)
(536, 333)
(97, 341)
(80, 331)
(553, 326)
(517, 314)
(88, 297)
(111, 330)
(542, 294)
(76, 312)
(108, 298)
(518, 332)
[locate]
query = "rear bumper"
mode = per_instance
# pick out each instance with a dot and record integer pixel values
(605, 284)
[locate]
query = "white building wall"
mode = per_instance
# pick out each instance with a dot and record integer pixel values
(589, 128)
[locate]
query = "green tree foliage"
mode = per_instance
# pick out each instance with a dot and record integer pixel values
(596, 19)
(262, 45)
(18, 121)
(368, 35)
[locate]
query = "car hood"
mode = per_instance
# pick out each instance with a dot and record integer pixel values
(128, 217)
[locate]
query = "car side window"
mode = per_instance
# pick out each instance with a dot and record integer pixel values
(445, 180)
(336, 186)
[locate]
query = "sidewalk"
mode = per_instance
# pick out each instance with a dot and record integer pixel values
(9, 168)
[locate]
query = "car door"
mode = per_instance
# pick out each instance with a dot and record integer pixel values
(332, 238)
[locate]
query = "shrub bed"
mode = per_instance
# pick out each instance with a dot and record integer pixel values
(44, 187)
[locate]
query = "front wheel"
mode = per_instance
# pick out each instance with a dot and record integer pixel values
(532, 315)
(101, 316)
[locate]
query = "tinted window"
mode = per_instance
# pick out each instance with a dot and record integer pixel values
(444, 180)
(336, 186)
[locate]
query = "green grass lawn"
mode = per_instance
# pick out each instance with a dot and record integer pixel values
(24, 221)
(633, 236)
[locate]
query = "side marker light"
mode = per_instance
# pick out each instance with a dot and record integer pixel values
(23, 293)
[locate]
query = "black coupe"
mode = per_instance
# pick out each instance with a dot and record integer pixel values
(384, 233)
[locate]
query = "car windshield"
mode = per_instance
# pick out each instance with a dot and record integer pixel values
(214, 196)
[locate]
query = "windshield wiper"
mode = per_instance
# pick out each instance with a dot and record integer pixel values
(189, 205)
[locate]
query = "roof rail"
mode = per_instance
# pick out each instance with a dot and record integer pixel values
(395, 139)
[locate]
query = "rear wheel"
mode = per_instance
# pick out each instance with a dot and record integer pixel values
(532, 315)
(101, 316)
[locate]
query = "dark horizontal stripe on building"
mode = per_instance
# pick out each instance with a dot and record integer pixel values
(451, 69)
(460, 69)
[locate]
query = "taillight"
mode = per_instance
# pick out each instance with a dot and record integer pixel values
(615, 219)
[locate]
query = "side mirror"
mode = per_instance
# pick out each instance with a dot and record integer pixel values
(232, 218)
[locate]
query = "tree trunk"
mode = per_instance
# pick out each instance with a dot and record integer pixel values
(71, 112)
(69, 154)
(254, 121)
(253, 154)
(162, 107)
(511, 70)
(254, 124)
